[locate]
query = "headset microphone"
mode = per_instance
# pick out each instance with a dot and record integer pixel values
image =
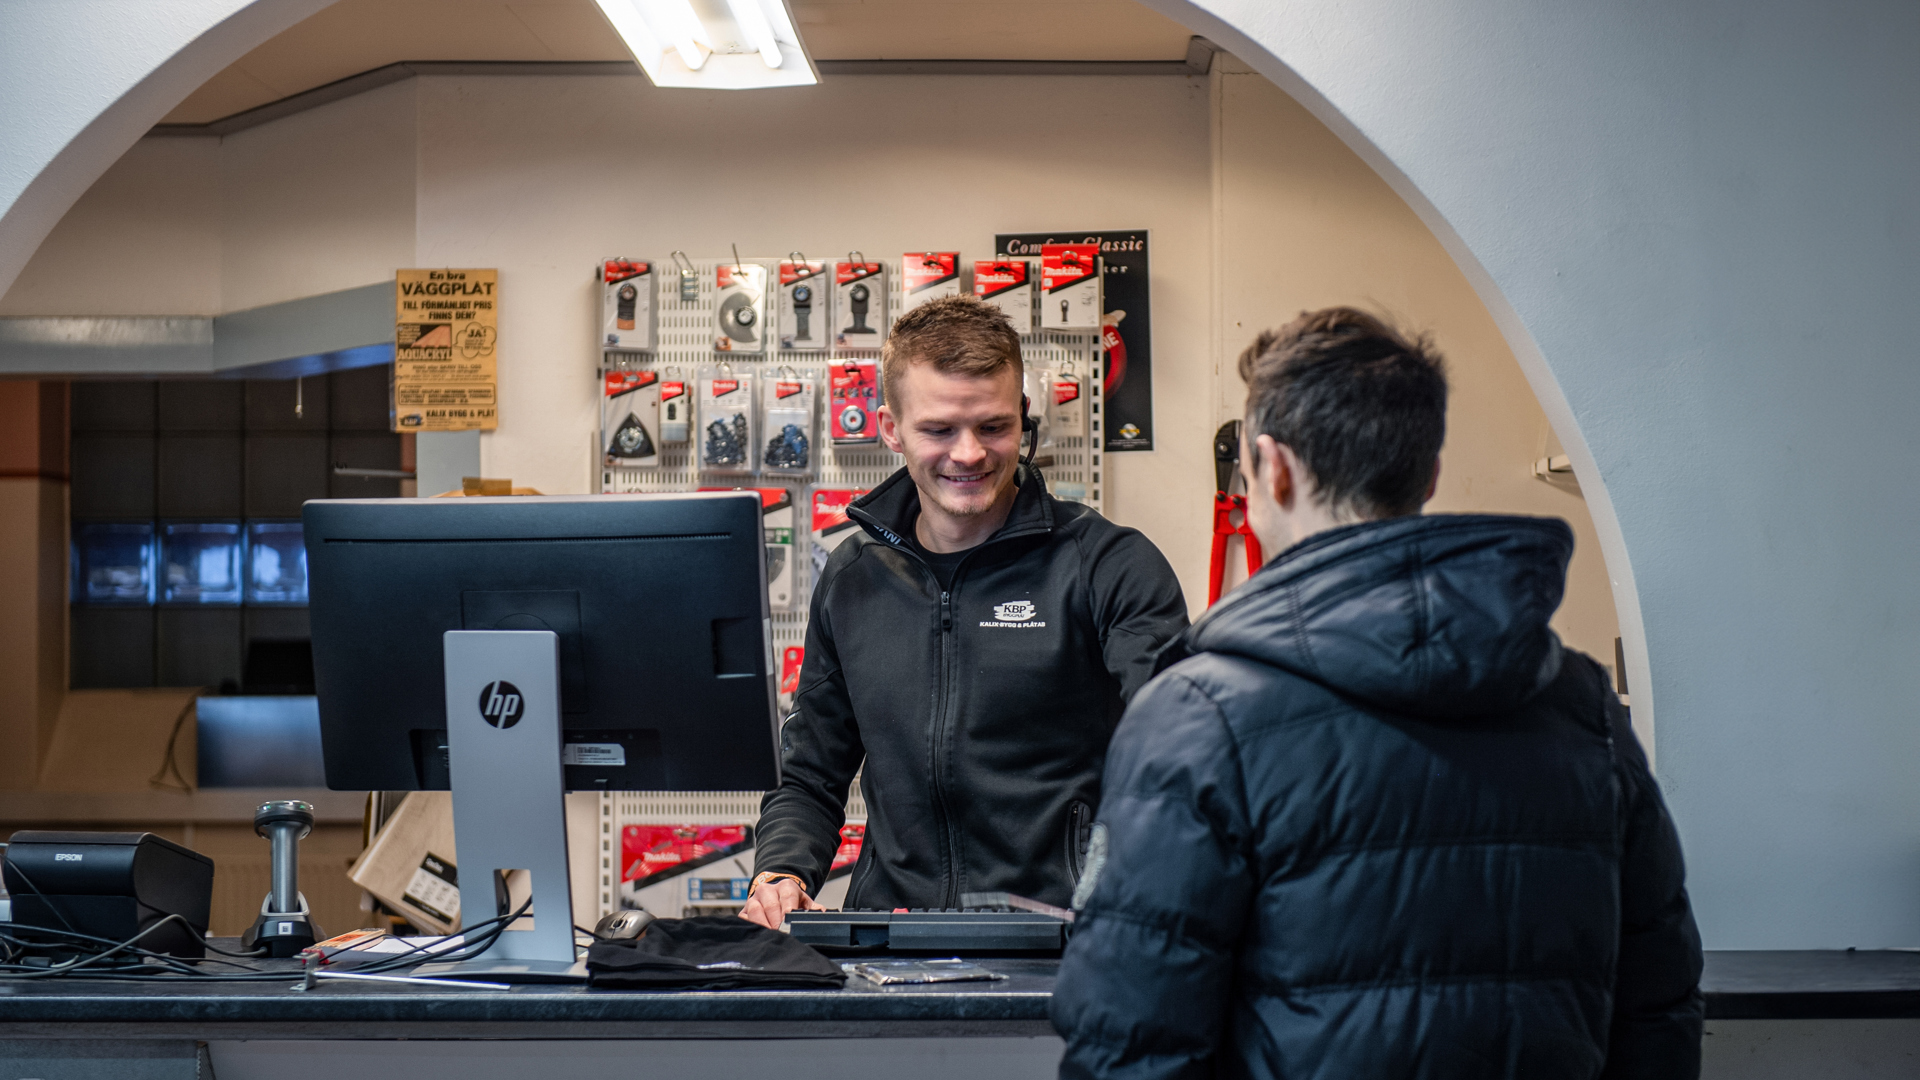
(1028, 427)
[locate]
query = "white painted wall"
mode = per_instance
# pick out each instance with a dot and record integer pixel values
(1303, 223)
(320, 201)
(82, 80)
(542, 176)
(1695, 225)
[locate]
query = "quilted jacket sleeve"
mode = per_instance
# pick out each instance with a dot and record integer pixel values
(1658, 1012)
(1145, 985)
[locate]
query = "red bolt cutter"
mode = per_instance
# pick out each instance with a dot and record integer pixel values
(1226, 454)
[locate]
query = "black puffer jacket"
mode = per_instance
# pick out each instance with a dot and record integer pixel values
(982, 713)
(1373, 821)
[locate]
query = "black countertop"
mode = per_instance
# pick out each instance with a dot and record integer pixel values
(1738, 985)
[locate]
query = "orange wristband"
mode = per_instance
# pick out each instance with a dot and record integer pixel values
(767, 877)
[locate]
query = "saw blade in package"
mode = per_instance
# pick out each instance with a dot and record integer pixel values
(1008, 285)
(786, 421)
(1070, 287)
(1068, 416)
(740, 311)
(928, 275)
(726, 421)
(783, 563)
(805, 305)
(676, 408)
(1037, 385)
(831, 525)
(777, 519)
(630, 419)
(854, 402)
(860, 304)
(626, 305)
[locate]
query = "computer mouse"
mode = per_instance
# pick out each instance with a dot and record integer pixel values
(623, 925)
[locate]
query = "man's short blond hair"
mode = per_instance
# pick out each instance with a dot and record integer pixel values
(958, 335)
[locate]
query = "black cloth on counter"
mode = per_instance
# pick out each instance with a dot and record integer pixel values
(1374, 820)
(710, 952)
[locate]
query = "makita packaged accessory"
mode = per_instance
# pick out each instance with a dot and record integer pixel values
(791, 658)
(626, 305)
(805, 305)
(1070, 287)
(740, 315)
(831, 526)
(854, 403)
(1008, 285)
(1038, 390)
(726, 421)
(777, 518)
(676, 407)
(629, 418)
(1069, 414)
(786, 421)
(783, 559)
(928, 275)
(860, 303)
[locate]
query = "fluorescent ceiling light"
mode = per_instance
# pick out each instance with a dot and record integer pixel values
(713, 44)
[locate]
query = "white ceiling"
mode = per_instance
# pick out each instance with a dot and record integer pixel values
(358, 35)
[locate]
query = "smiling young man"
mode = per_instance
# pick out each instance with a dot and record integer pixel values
(973, 647)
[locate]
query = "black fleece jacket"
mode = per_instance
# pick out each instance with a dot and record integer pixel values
(982, 713)
(1374, 821)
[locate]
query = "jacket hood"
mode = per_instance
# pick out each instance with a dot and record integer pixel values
(1432, 616)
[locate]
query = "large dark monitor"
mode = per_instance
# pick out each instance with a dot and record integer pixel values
(659, 603)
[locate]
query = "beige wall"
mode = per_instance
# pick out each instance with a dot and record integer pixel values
(1255, 210)
(1304, 223)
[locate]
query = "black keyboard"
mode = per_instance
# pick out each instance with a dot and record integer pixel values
(943, 930)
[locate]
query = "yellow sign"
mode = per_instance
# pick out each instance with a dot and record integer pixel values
(445, 330)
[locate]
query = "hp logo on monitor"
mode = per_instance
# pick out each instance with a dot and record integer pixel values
(501, 704)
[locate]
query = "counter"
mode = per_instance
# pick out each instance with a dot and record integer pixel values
(954, 1028)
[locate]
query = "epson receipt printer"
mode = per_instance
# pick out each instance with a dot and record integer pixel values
(112, 886)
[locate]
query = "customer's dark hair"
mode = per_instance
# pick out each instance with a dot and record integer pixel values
(1363, 404)
(958, 335)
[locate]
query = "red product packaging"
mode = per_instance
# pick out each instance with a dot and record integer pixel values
(790, 660)
(831, 526)
(1070, 287)
(851, 837)
(674, 408)
(626, 305)
(854, 401)
(805, 298)
(860, 304)
(652, 850)
(1008, 285)
(928, 275)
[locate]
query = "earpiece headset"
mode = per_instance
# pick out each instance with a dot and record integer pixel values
(1028, 426)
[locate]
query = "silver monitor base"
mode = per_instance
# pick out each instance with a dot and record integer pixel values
(509, 810)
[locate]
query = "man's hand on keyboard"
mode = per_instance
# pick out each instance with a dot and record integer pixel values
(772, 899)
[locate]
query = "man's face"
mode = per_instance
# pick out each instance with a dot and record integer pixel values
(959, 434)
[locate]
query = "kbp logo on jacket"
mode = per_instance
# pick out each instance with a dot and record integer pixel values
(1014, 615)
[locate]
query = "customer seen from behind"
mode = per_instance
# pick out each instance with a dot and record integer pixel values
(1371, 818)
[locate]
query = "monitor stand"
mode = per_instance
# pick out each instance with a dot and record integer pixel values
(509, 813)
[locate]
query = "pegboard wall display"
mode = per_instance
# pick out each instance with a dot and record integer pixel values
(689, 299)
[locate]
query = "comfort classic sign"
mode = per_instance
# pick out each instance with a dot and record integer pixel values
(445, 330)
